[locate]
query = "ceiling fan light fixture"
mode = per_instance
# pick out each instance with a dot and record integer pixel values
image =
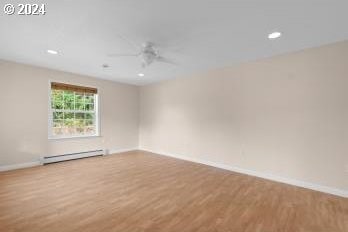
(274, 35)
(53, 52)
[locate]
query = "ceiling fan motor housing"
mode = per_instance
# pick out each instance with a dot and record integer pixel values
(148, 54)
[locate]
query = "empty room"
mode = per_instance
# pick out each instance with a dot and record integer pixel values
(169, 116)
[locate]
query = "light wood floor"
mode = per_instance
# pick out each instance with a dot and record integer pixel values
(139, 191)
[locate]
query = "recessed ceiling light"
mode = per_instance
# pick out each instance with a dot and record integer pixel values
(274, 35)
(141, 74)
(53, 52)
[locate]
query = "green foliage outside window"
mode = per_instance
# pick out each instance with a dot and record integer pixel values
(73, 112)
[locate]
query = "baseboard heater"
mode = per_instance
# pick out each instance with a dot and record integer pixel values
(71, 156)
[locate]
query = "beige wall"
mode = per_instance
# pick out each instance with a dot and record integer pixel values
(24, 114)
(286, 115)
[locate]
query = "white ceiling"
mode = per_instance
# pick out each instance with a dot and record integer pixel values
(197, 34)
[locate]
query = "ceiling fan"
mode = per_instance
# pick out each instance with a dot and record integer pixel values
(148, 54)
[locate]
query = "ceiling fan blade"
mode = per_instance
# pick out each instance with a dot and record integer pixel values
(117, 55)
(133, 45)
(165, 60)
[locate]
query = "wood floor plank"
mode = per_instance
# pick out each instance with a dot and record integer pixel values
(143, 192)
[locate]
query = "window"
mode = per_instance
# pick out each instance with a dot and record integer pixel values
(73, 111)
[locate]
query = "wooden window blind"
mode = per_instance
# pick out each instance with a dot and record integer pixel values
(75, 88)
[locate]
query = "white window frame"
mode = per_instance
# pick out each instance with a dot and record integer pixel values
(50, 116)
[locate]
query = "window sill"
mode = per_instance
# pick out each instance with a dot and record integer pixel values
(74, 137)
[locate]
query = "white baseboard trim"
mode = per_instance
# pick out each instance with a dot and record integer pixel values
(19, 166)
(117, 151)
(286, 180)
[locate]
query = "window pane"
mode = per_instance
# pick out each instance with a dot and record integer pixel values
(79, 97)
(89, 98)
(79, 122)
(80, 115)
(69, 130)
(57, 105)
(89, 122)
(58, 115)
(69, 122)
(58, 123)
(89, 107)
(89, 115)
(57, 131)
(68, 115)
(90, 130)
(80, 130)
(57, 95)
(69, 99)
(79, 106)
